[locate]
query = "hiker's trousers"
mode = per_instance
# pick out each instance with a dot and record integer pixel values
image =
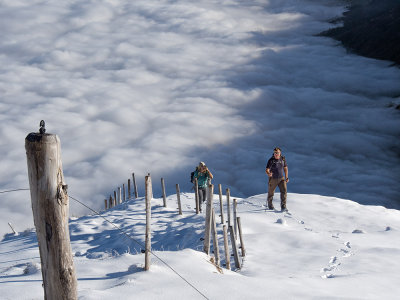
(272, 184)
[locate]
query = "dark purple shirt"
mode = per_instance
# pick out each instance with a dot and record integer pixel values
(276, 167)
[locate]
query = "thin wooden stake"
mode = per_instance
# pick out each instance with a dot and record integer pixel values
(148, 221)
(178, 197)
(119, 195)
(123, 192)
(135, 186)
(50, 206)
(129, 189)
(105, 204)
(196, 196)
(228, 199)
(241, 237)
(115, 198)
(215, 239)
(163, 192)
(235, 216)
(12, 228)
(220, 204)
(207, 232)
(110, 202)
(234, 247)
(226, 246)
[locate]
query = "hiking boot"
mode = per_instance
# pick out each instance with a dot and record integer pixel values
(283, 207)
(271, 207)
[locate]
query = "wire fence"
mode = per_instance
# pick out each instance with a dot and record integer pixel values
(126, 235)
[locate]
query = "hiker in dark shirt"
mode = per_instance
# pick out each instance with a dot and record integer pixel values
(277, 172)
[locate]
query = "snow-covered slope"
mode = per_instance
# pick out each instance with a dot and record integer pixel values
(323, 248)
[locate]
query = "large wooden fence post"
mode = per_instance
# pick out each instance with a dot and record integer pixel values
(148, 196)
(50, 205)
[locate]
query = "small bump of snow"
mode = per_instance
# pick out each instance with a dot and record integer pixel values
(358, 231)
(281, 221)
(32, 268)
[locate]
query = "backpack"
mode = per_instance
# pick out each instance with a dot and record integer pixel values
(192, 175)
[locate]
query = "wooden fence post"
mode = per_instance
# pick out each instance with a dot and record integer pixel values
(234, 217)
(129, 189)
(220, 203)
(119, 195)
(241, 237)
(208, 219)
(226, 246)
(178, 197)
(234, 247)
(163, 192)
(50, 205)
(123, 193)
(105, 204)
(115, 198)
(110, 202)
(215, 239)
(134, 186)
(228, 199)
(148, 197)
(196, 196)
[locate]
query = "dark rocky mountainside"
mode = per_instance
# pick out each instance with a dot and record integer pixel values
(371, 28)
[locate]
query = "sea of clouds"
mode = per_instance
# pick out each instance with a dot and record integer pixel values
(157, 86)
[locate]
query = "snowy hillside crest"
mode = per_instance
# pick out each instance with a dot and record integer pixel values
(323, 242)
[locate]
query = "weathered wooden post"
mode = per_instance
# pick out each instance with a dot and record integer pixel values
(115, 198)
(134, 186)
(178, 197)
(129, 189)
(148, 197)
(228, 205)
(105, 204)
(110, 202)
(207, 232)
(50, 205)
(123, 193)
(241, 237)
(119, 195)
(164, 196)
(215, 239)
(220, 203)
(234, 247)
(196, 196)
(235, 216)
(226, 247)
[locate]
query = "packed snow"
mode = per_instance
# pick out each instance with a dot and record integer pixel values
(322, 248)
(157, 86)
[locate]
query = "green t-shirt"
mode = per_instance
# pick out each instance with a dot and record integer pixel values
(202, 178)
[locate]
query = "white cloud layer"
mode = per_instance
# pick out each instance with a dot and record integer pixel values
(157, 86)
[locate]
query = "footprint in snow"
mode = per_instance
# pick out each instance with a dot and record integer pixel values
(281, 221)
(358, 231)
